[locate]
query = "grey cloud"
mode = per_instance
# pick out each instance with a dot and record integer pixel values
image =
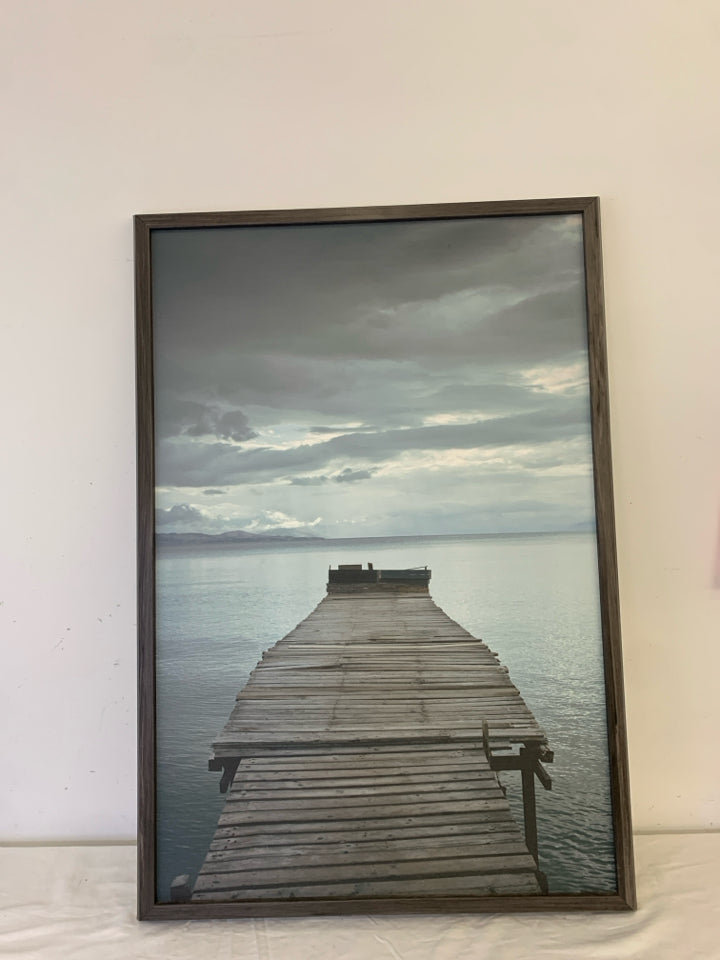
(195, 419)
(292, 318)
(214, 493)
(235, 281)
(354, 360)
(383, 324)
(377, 391)
(180, 513)
(499, 516)
(192, 464)
(309, 481)
(491, 398)
(351, 476)
(340, 429)
(348, 475)
(230, 425)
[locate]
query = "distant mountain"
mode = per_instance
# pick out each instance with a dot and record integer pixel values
(229, 536)
(582, 526)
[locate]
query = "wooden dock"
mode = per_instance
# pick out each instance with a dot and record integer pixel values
(361, 758)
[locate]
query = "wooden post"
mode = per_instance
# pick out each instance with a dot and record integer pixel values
(228, 765)
(486, 741)
(528, 789)
(527, 761)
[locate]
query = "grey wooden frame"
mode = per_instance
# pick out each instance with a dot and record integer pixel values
(148, 907)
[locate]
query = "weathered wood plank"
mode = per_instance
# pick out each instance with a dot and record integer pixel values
(295, 813)
(433, 833)
(455, 789)
(464, 693)
(363, 771)
(351, 754)
(323, 829)
(259, 742)
(500, 842)
(392, 852)
(360, 778)
(349, 758)
(456, 885)
(374, 870)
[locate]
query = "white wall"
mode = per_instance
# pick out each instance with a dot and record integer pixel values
(115, 108)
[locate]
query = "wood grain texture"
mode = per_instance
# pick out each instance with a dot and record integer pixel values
(305, 842)
(425, 211)
(148, 908)
(416, 686)
(363, 773)
(607, 555)
(145, 569)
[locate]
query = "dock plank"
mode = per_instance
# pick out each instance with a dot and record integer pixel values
(361, 767)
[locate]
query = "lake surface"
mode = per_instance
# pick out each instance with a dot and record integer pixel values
(532, 598)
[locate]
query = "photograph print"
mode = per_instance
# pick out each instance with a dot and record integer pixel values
(379, 644)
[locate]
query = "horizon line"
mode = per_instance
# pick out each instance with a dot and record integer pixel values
(583, 528)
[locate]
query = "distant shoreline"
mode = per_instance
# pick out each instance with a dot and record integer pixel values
(238, 539)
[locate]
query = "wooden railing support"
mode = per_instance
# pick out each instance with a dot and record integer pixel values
(527, 761)
(228, 766)
(529, 812)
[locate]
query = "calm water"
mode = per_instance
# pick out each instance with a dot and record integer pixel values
(532, 599)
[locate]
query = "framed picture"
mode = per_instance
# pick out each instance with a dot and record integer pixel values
(380, 665)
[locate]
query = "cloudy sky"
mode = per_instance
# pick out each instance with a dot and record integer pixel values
(372, 379)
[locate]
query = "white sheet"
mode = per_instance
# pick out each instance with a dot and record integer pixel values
(79, 902)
